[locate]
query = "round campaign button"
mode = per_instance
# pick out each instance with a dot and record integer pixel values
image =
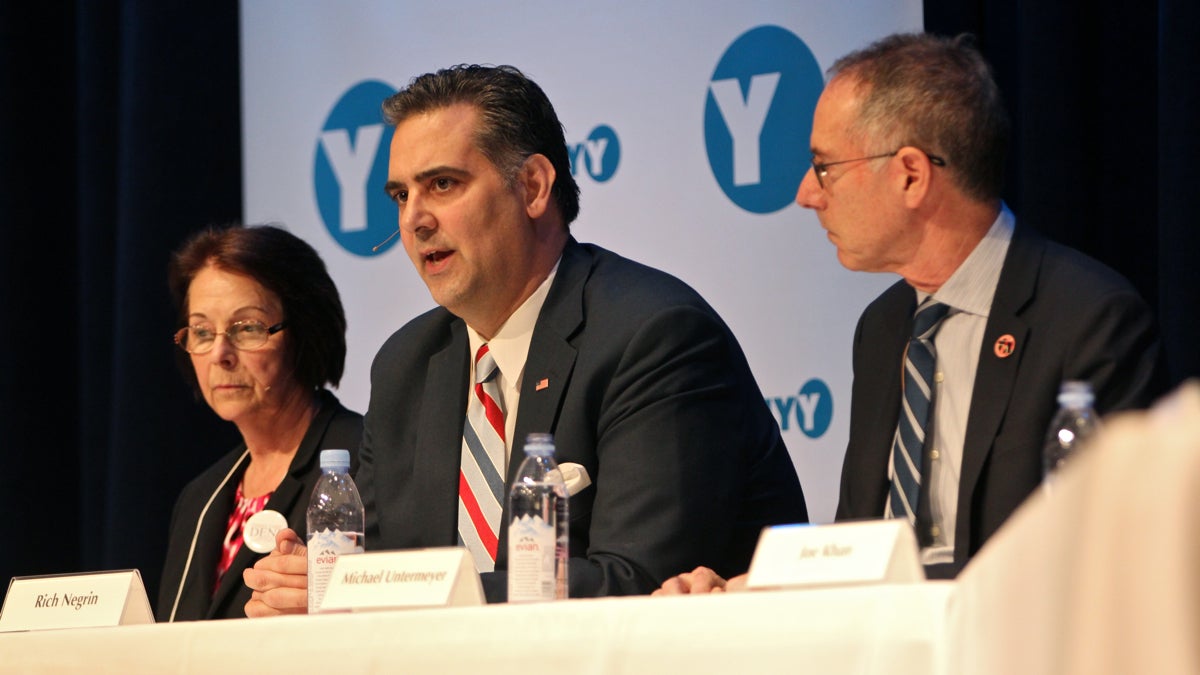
(260, 530)
(1005, 346)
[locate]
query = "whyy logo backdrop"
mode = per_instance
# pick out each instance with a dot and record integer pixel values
(350, 169)
(758, 117)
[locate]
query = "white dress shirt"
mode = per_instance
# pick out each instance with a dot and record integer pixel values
(510, 348)
(968, 292)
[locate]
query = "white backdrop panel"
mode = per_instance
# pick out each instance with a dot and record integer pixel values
(645, 74)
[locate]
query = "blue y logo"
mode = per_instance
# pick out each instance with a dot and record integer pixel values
(811, 407)
(350, 168)
(599, 154)
(758, 118)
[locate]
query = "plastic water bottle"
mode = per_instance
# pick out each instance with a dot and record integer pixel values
(538, 538)
(335, 523)
(1074, 423)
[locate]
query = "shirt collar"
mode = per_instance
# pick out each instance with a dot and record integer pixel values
(971, 288)
(510, 345)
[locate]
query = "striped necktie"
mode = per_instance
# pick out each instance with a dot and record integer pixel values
(481, 472)
(920, 359)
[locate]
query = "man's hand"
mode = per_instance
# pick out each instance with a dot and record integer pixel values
(700, 580)
(279, 581)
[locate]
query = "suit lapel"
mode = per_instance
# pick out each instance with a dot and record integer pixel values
(996, 373)
(549, 364)
(439, 439)
(884, 365)
(551, 357)
(283, 500)
(209, 545)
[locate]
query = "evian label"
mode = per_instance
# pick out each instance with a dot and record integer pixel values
(531, 560)
(324, 547)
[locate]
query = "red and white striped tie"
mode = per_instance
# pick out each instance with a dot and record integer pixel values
(481, 476)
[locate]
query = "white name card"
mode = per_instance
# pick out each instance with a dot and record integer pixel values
(878, 551)
(430, 577)
(75, 601)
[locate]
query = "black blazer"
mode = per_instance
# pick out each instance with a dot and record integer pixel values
(333, 427)
(640, 382)
(1071, 318)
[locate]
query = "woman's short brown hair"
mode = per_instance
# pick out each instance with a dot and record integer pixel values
(288, 267)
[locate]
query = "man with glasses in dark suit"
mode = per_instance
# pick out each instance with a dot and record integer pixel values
(908, 141)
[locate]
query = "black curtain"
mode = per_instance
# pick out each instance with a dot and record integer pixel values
(120, 134)
(1104, 100)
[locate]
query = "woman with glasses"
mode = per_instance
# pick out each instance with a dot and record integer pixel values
(262, 334)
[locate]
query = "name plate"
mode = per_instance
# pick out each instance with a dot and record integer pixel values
(879, 551)
(75, 601)
(430, 577)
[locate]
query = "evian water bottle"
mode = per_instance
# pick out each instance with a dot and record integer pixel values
(335, 523)
(537, 534)
(1075, 422)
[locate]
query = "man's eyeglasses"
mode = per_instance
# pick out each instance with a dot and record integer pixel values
(243, 335)
(821, 169)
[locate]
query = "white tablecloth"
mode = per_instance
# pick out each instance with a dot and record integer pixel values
(1103, 574)
(880, 629)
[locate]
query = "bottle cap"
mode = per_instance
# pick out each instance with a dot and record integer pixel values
(539, 444)
(261, 528)
(335, 459)
(1076, 393)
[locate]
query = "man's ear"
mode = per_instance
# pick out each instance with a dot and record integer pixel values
(918, 171)
(537, 179)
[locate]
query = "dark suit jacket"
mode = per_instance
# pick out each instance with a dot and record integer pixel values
(1071, 318)
(333, 427)
(646, 388)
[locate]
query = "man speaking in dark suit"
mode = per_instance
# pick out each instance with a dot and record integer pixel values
(908, 143)
(649, 397)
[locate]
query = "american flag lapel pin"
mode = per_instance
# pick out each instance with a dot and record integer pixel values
(542, 384)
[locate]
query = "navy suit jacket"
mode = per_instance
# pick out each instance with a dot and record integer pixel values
(1071, 318)
(333, 427)
(644, 386)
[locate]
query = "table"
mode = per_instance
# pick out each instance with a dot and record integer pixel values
(869, 629)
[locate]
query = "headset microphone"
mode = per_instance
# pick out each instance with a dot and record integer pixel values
(376, 247)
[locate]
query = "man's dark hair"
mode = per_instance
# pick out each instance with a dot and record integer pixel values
(516, 120)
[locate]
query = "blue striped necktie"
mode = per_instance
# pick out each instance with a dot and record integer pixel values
(481, 473)
(920, 359)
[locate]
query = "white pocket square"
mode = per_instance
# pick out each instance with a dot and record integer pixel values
(575, 476)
